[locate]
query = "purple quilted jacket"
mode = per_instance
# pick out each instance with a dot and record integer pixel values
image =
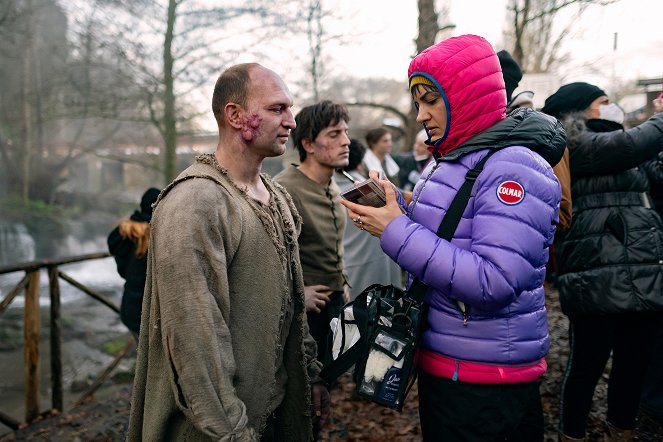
(495, 262)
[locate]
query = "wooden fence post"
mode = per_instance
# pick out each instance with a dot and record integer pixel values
(56, 349)
(31, 331)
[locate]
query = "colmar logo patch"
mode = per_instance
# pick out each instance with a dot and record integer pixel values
(510, 193)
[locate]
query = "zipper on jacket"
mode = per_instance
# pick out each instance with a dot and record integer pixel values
(455, 376)
(430, 174)
(465, 310)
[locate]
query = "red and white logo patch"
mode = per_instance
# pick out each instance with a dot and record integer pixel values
(510, 193)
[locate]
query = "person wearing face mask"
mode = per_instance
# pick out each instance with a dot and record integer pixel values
(611, 259)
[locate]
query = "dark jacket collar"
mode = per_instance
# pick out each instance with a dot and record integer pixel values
(577, 124)
(541, 133)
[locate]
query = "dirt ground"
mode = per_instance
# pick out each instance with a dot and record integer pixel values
(104, 419)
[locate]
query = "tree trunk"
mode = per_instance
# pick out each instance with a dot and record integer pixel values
(428, 28)
(520, 21)
(169, 120)
(428, 24)
(536, 36)
(28, 140)
(314, 32)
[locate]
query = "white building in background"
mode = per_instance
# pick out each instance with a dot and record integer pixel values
(543, 86)
(639, 106)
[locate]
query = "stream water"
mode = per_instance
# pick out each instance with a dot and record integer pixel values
(86, 323)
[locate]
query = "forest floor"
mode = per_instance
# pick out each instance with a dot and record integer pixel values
(104, 418)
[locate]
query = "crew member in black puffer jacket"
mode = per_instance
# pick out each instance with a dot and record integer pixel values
(611, 259)
(128, 244)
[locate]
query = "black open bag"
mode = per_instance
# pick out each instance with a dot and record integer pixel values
(378, 333)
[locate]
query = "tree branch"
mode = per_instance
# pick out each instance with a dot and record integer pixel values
(386, 107)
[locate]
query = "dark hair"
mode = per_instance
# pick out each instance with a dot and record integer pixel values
(425, 87)
(357, 152)
(231, 87)
(149, 197)
(374, 135)
(312, 119)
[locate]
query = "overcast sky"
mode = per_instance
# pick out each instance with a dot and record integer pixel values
(389, 27)
(382, 34)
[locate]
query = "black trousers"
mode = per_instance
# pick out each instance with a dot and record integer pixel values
(269, 434)
(453, 411)
(318, 324)
(652, 392)
(591, 340)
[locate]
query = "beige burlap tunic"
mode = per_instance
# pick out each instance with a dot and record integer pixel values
(222, 279)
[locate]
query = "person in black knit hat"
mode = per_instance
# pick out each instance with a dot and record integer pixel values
(572, 97)
(609, 275)
(511, 73)
(149, 197)
(128, 244)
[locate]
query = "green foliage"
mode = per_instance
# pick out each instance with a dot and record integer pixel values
(68, 322)
(114, 346)
(123, 377)
(14, 208)
(11, 339)
(11, 331)
(38, 215)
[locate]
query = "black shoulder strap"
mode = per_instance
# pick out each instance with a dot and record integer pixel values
(417, 290)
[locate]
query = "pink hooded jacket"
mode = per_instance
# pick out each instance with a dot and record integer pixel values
(468, 75)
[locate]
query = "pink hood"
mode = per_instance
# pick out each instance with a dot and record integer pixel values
(467, 72)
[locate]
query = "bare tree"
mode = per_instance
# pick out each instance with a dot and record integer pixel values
(32, 51)
(169, 126)
(375, 104)
(535, 37)
(315, 21)
(63, 98)
(371, 102)
(314, 33)
(127, 63)
(429, 29)
(194, 41)
(26, 101)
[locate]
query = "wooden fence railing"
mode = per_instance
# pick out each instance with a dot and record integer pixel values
(32, 331)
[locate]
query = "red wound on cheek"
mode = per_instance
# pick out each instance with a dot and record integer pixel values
(250, 127)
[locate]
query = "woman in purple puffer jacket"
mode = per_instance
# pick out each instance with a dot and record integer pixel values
(484, 350)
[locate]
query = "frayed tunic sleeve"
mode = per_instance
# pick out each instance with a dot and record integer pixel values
(193, 306)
